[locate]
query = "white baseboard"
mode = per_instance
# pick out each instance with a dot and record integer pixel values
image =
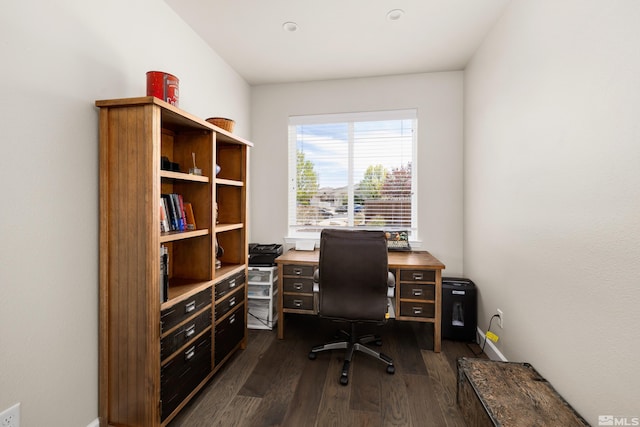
(94, 423)
(490, 349)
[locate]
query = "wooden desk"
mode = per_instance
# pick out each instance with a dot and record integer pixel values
(418, 294)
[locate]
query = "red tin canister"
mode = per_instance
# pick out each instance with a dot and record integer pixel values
(163, 86)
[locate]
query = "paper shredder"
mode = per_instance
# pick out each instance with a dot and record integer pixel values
(459, 309)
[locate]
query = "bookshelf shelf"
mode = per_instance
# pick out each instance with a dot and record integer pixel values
(183, 176)
(171, 236)
(156, 286)
(228, 227)
(221, 181)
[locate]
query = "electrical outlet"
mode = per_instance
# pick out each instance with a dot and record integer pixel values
(11, 417)
(500, 318)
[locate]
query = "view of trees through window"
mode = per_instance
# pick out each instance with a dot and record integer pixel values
(352, 174)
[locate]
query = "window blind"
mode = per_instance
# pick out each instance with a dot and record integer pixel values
(352, 170)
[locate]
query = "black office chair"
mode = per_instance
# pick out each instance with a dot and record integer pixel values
(353, 279)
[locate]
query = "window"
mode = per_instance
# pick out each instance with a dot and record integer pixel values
(352, 170)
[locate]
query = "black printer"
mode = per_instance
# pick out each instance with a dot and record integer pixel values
(261, 255)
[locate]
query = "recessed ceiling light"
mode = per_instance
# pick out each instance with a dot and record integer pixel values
(290, 26)
(395, 14)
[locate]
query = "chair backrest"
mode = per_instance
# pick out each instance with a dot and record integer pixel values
(353, 272)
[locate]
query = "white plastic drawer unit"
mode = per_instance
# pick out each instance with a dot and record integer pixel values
(264, 275)
(259, 290)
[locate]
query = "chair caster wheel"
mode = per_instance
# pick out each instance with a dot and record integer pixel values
(312, 355)
(344, 380)
(391, 369)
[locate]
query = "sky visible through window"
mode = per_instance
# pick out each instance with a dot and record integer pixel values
(387, 143)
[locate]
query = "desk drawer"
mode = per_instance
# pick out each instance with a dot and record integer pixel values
(417, 292)
(298, 302)
(417, 309)
(175, 314)
(417, 275)
(297, 284)
(298, 270)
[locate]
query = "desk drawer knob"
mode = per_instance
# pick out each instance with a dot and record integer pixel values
(417, 310)
(232, 284)
(297, 271)
(232, 301)
(232, 319)
(297, 286)
(417, 276)
(416, 292)
(297, 302)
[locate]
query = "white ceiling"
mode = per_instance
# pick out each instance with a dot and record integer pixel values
(340, 38)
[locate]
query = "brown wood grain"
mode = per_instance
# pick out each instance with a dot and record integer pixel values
(134, 133)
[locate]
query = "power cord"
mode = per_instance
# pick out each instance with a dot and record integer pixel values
(263, 321)
(485, 338)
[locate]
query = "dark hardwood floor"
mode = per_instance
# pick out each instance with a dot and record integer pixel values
(273, 383)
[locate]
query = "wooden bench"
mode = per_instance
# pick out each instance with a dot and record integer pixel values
(510, 394)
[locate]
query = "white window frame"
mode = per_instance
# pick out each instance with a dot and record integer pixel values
(294, 232)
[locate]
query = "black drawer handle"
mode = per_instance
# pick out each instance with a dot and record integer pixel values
(190, 331)
(417, 310)
(232, 301)
(188, 355)
(417, 292)
(297, 271)
(297, 286)
(417, 276)
(190, 307)
(297, 302)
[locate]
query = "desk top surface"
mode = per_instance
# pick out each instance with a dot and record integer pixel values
(400, 259)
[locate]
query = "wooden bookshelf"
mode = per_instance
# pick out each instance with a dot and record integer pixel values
(143, 381)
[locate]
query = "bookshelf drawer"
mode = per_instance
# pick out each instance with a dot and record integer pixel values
(417, 275)
(417, 292)
(297, 284)
(185, 333)
(175, 314)
(228, 285)
(298, 302)
(223, 307)
(417, 309)
(183, 373)
(229, 333)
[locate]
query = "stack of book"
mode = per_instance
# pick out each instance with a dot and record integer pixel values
(176, 214)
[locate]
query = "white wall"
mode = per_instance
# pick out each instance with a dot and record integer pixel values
(57, 59)
(438, 98)
(552, 194)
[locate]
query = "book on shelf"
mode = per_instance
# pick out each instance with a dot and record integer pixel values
(174, 215)
(164, 273)
(180, 203)
(164, 222)
(190, 218)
